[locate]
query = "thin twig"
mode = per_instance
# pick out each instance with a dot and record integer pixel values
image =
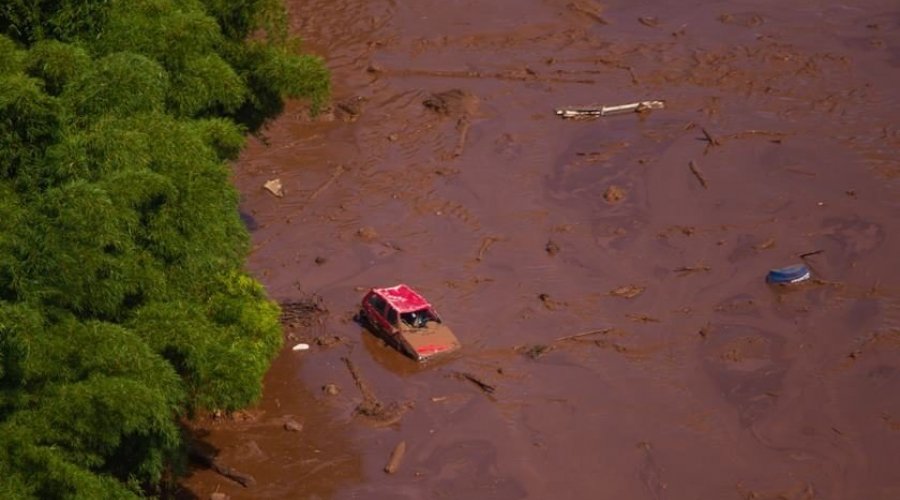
(685, 270)
(337, 173)
(485, 244)
(484, 386)
(810, 254)
(582, 334)
(463, 127)
(709, 138)
(694, 170)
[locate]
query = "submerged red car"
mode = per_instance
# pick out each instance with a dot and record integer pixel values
(406, 321)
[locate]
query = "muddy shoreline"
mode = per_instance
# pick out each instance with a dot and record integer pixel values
(443, 165)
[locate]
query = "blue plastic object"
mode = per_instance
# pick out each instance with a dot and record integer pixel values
(789, 274)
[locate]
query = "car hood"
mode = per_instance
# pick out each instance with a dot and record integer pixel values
(432, 339)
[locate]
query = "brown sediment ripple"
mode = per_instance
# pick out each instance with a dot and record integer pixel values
(777, 145)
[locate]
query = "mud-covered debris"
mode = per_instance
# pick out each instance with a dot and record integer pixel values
(302, 312)
(371, 408)
(648, 21)
(589, 9)
(550, 303)
(396, 457)
(485, 245)
(642, 318)
(319, 260)
(367, 233)
(484, 386)
(349, 110)
(765, 245)
(292, 425)
(393, 137)
(380, 414)
(627, 291)
(614, 194)
(536, 351)
(274, 186)
(331, 389)
(744, 19)
(594, 110)
(685, 270)
(329, 340)
(551, 248)
(452, 103)
(208, 459)
(218, 495)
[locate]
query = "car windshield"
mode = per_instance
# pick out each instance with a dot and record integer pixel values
(418, 319)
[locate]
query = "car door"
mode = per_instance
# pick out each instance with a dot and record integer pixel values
(375, 308)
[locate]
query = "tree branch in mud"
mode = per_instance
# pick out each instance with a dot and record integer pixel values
(582, 334)
(462, 126)
(696, 171)
(485, 245)
(484, 386)
(712, 141)
(393, 463)
(337, 173)
(371, 406)
(207, 459)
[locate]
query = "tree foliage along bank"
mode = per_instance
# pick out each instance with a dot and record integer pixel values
(123, 304)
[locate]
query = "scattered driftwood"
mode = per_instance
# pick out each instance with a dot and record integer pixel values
(589, 10)
(685, 270)
(377, 412)
(650, 22)
(810, 254)
(593, 111)
(627, 291)
(301, 311)
(485, 245)
(337, 173)
(696, 171)
(393, 463)
(536, 351)
(614, 194)
(462, 126)
(484, 386)
(642, 318)
(207, 459)
(769, 243)
(583, 334)
(709, 138)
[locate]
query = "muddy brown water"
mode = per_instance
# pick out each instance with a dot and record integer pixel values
(443, 166)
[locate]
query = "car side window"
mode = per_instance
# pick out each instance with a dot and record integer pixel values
(392, 316)
(378, 303)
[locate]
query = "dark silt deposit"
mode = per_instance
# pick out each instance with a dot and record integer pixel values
(605, 276)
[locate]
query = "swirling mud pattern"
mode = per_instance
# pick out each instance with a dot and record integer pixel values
(606, 275)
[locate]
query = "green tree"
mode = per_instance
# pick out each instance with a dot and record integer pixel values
(123, 303)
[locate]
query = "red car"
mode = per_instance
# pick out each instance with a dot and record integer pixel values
(406, 321)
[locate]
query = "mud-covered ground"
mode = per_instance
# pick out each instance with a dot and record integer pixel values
(443, 165)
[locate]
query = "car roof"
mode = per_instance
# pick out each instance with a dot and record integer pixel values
(402, 298)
